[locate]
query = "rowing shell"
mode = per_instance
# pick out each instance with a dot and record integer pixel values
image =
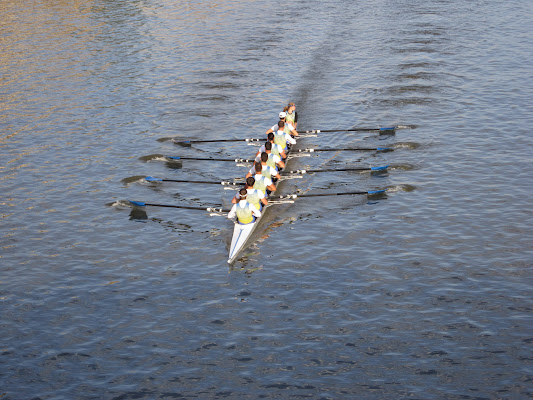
(241, 233)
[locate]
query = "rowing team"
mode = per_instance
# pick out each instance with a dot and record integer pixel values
(269, 161)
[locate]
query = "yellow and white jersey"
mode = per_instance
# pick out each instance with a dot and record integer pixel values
(281, 138)
(244, 211)
(288, 126)
(267, 170)
(253, 196)
(261, 182)
(290, 118)
(273, 160)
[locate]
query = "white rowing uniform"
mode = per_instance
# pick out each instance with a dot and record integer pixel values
(288, 127)
(253, 196)
(282, 138)
(262, 182)
(273, 160)
(267, 171)
(245, 212)
(276, 149)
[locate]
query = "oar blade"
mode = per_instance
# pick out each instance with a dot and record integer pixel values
(152, 179)
(137, 203)
(390, 130)
(383, 168)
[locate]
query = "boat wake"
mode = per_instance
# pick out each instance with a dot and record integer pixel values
(153, 157)
(406, 145)
(401, 188)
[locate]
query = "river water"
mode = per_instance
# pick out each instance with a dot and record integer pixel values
(424, 293)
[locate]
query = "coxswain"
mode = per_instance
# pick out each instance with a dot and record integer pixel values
(291, 116)
(281, 137)
(288, 128)
(276, 149)
(254, 196)
(244, 210)
(261, 181)
(267, 170)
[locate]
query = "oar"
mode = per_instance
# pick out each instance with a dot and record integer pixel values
(189, 142)
(236, 160)
(295, 196)
(310, 150)
(210, 209)
(223, 183)
(309, 171)
(389, 129)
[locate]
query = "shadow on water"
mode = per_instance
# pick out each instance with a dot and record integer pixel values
(137, 213)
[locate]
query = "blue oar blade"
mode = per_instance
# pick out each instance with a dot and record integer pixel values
(152, 179)
(174, 157)
(376, 191)
(137, 203)
(389, 128)
(384, 168)
(384, 149)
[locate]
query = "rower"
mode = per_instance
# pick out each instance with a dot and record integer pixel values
(276, 149)
(274, 160)
(288, 128)
(261, 181)
(281, 137)
(267, 170)
(291, 116)
(254, 196)
(245, 211)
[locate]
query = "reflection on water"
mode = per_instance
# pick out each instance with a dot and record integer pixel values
(360, 297)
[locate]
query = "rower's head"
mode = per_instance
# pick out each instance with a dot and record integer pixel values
(250, 181)
(242, 194)
(281, 124)
(258, 168)
(270, 137)
(264, 157)
(268, 147)
(282, 115)
(291, 106)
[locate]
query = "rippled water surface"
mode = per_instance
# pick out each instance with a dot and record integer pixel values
(423, 293)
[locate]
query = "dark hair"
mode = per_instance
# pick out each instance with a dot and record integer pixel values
(258, 167)
(270, 136)
(268, 146)
(281, 124)
(250, 181)
(264, 157)
(243, 193)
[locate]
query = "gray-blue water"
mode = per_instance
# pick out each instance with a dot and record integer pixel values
(423, 294)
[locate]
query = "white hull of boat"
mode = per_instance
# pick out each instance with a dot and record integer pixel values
(241, 233)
